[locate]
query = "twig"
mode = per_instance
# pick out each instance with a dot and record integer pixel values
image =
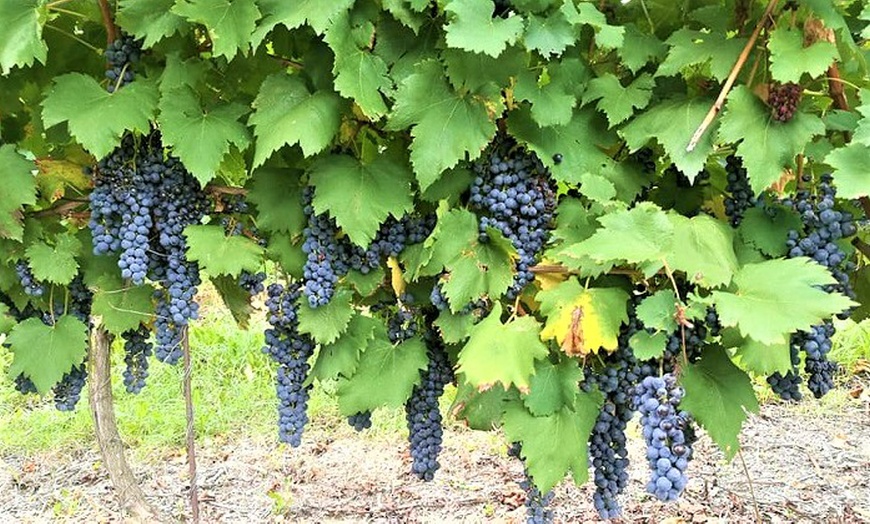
(63, 208)
(191, 434)
(108, 21)
(751, 487)
(225, 190)
(729, 83)
(74, 37)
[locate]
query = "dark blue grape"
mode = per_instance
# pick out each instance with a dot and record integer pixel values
(31, 286)
(740, 195)
(252, 282)
(360, 421)
(137, 349)
(120, 55)
(68, 391)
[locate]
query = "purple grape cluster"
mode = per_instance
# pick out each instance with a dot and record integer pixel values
(816, 344)
(360, 421)
(667, 432)
(121, 54)
(137, 349)
(31, 286)
(422, 412)
(787, 386)
(513, 193)
(783, 100)
(537, 504)
(291, 350)
(740, 196)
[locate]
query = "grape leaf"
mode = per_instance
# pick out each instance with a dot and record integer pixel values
(851, 163)
(201, 137)
(639, 48)
(361, 196)
(481, 410)
(341, 357)
(149, 20)
(789, 59)
(316, 13)
(446, 124)
(230, 23)
(19, 189)
(705, 251)
(285, 112)
(657, 311)
(327, 323)
(689, 48)
(775, 298)
(767, 145)
(359, 74)
(641, 234)
(121, 306)
(607, 36)
(277, 193)
(618, 102)
(549, 34)
(56, 264)
(645, 345)
(220, 254)
(97, 118)
(515, 346)
(764, 359)
(582, 320)
(553, 386)
(367, 389)
(454, 327)
(473, 28)
(547, 464)
(769, 233)
(597, 188)
(21, 34)
(44, 353)
(235, 298)
(552, 93)
(672, 124)
(287, 252)
(7, 322)
(717, 394)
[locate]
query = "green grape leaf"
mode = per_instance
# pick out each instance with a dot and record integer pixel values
(768, 234)
(517, 349)
(641, 234)
(789, 59)
(672, 124)
(704, 250)
(287, 113)
(366, 283)
(481, 410)
(597, 188)
(97, 118)
(474, 71)
(21, 34)
(767, 145)
(45, 353)
(718, 394)
(277, 193)
(454, 327)
(446, 124)
(316, 13)
(367, 390)
(359, 74)
(553, 386)
(361, 196)
(775, 298)
(7, 322)
(19, 189)
(201, 137)
(657, 311)
(690, 48)
(639, 48)
(149, 20)
(552, 100)
(851, 164)
(646, 346)
(230, 23)
(219, 254)
(287, 252)
(618, 102)
(473, 28)
(607, 36)
(549, 34)
(341, 357)
(235, 298)
(326, 323)
(56, 264)
(122, 306)
(547, 464)
(764, 359)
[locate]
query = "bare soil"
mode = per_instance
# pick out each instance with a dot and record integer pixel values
(804, 467)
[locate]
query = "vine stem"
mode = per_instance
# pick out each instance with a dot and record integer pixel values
(732, 77)
(751, 486)
(74, 37)
(108, 21)
(680, 313)
(191, 432)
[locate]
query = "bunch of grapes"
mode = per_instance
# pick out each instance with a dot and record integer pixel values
(120, 55)
(740, 196)
(783, 100)
(324, 254)
(816, 344)
(137, 349)
(787, 385)
(421, 410)
(291, 350)
(668, 435)
(31, 286)
(513, 193)
(537, 503)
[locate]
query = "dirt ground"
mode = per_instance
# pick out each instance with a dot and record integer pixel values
(803, 466)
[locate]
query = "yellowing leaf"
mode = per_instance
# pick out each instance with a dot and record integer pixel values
(582, 321)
